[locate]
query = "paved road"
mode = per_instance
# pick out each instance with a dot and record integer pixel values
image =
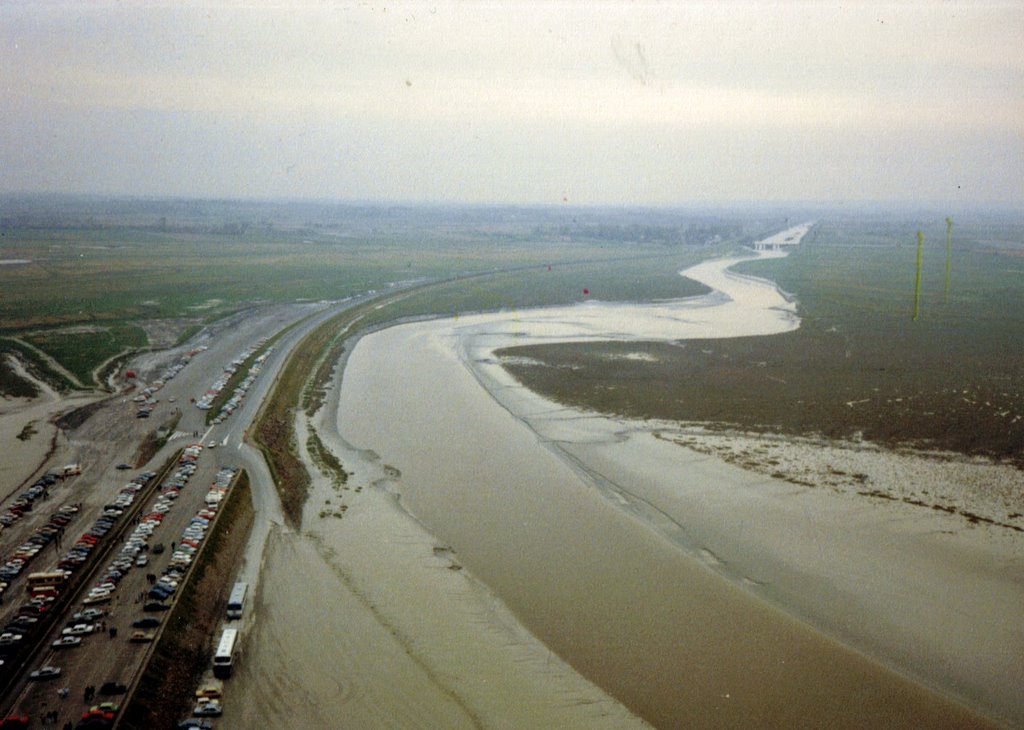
(110, 437)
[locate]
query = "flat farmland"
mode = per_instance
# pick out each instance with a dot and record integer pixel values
(858, 367)
(87, 275)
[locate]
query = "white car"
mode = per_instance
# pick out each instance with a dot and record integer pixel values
(211, 444)
(87, 615)
(46, 672)
(79, 630)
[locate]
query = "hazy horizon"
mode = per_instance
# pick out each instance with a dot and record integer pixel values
(608, 105)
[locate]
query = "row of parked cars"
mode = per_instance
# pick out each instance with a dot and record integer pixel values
(26, 500)
(133, 553)
(194, 533)
(208, 696)
(83, 547)
(243, 387)
(45, 588)
(206, 401)
(168, 374)
(22, 555)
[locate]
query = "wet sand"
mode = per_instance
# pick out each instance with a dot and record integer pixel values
(367, 621)
(23, 458)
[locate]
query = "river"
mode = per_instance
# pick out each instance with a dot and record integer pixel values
(502, 561)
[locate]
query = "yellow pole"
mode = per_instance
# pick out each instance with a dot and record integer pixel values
(949, 253)
(917, 281)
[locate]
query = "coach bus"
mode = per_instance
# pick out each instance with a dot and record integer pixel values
(225, 655)
(236, 601)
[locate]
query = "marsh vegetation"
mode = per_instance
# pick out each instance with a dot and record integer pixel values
(858, 366)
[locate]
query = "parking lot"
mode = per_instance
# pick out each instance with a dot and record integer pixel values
(100, 649)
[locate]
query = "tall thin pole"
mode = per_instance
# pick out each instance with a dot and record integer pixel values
(949, 254)
(917, 281)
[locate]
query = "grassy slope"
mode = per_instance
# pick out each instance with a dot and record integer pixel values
(37, 365)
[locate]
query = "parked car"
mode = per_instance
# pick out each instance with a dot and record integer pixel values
(113, 688)
(194, 723)
(46, 672)
(209, 708)
(79, 630)
(87, 615)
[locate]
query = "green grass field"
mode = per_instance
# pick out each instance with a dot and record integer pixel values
(859, 364)
(651, 276)
(84, 276)
(81, 352)
(113, 264)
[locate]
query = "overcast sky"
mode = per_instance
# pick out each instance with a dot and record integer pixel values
(632, 103)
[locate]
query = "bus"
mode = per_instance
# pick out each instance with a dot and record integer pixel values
(225, 655)
(49, 579)
(236, 601)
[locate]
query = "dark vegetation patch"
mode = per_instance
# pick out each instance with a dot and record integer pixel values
(857, 367)
(37, 365)
(75, 418)
(166, 691)
(27, 432)
(326, 461)
(12, 385)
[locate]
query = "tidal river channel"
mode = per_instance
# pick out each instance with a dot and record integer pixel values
(505, 562)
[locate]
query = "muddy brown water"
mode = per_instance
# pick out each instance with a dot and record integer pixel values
(675, 643)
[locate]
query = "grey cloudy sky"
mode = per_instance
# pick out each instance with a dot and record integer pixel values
(634, 103)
